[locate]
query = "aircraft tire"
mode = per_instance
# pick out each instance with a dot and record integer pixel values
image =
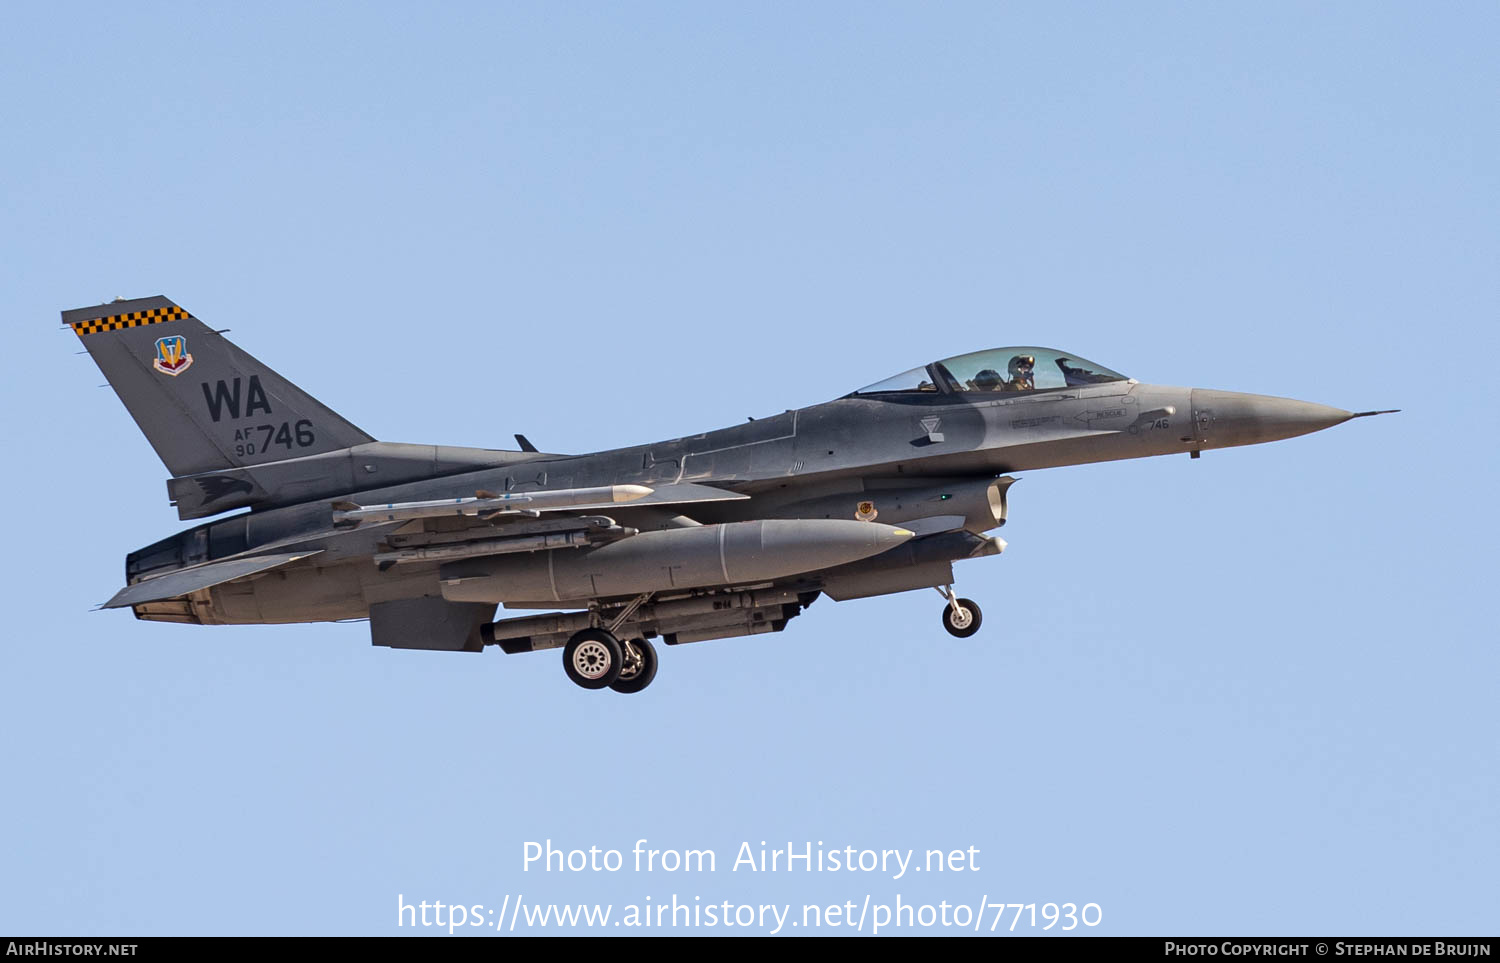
(638, 680)
(965, 620)
(593, 658)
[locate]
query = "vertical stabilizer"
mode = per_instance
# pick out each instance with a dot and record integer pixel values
(204, 404)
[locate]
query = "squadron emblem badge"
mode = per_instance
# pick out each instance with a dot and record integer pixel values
(171, 355)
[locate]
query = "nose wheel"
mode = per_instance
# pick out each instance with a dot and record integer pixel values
(595, 659)
(961, 617)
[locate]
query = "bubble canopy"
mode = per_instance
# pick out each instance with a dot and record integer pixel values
(1013, 369)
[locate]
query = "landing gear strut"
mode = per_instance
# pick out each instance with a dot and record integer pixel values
(961, 617)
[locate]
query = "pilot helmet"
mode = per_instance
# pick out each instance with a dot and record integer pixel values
(1021, 366)
(988, 380)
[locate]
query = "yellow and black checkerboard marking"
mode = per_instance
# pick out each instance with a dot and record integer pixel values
(154, 316)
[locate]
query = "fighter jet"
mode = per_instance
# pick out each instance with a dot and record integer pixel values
(728, 533)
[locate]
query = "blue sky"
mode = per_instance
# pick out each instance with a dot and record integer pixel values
(1252, 693)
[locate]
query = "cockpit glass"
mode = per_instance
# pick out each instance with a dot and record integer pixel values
(1001, 370)
(916, 379)
(1023, 369)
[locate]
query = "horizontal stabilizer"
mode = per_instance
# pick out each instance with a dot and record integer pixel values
(188, 580)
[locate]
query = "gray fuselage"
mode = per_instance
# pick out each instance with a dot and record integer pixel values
(816, 462)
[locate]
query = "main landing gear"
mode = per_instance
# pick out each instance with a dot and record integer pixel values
(595, 659)
(639, 667)
(961, 617)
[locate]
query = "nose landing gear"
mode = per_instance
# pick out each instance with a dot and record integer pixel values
(961, 617)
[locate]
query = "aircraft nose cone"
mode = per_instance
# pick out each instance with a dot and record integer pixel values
(1226, 418)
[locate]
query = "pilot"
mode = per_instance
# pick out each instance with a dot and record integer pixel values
(1021, 374)
(987, 380)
